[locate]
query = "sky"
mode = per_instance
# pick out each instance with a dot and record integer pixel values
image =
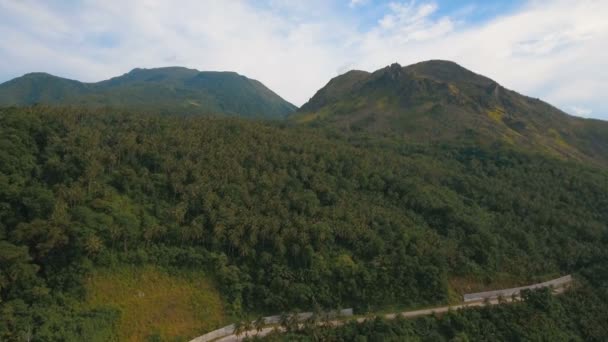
(554, 50)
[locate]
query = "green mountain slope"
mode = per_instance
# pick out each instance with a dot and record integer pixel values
(171, 90)
(442, 101)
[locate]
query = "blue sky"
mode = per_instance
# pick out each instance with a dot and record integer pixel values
(554, 50)
(474, 11)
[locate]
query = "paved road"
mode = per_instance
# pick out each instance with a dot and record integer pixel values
(406, 314)
(474, 301)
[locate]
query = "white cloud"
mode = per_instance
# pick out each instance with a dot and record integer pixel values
(411, 22)
(553, 50)
(356, 3)
(580, 111)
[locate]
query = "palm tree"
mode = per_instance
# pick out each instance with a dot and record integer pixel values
(247, 326)
(238, 328)
(293, 324)
(259, 324)
(284, 321)
(311, 322)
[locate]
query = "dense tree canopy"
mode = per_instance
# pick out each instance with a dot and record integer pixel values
(283, 217)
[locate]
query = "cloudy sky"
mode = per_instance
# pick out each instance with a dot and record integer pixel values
(555, 50)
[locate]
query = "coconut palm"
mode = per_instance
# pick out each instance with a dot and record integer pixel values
(259, 323)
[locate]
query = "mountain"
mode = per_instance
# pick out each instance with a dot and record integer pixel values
(441, 101)
(171, 89)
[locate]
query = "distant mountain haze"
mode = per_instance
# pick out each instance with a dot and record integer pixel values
(439, 101)
(171, 90)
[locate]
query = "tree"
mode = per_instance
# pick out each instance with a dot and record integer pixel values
(239, 328)
(259, 324)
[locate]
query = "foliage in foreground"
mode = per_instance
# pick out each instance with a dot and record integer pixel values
(282, 218)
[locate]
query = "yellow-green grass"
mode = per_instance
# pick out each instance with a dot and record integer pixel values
(453, 89)
(310, 117)
(383, 103)
(558, 138)
(496, 114)
(153, 302)
(306, 118)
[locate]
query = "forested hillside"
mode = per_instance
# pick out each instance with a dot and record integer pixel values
(276, 217)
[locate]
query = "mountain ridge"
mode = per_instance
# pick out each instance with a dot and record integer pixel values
(165, 89)
(441, 101)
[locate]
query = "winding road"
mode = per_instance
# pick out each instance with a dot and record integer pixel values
(473, 300)
(336, 323)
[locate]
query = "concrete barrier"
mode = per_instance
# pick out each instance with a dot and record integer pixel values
(269, 320)
(505, 293)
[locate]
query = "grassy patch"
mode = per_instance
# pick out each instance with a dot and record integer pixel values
(383, 103)
(558, 138)
(305, 118)
(497, 114)
(453, 89)
(153, 302)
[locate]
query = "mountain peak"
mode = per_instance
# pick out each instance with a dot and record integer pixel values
(393, 68)
(439, 62)
(440, 100)
(391, 72)
(163, 69)
(37, 74)
(43, 77)
(166, 89)
(157, 74)
(447, 71)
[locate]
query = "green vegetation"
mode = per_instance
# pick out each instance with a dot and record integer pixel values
(579, 315)
(162, 90)
(440, 101)
(152, 302)
(277, 217)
